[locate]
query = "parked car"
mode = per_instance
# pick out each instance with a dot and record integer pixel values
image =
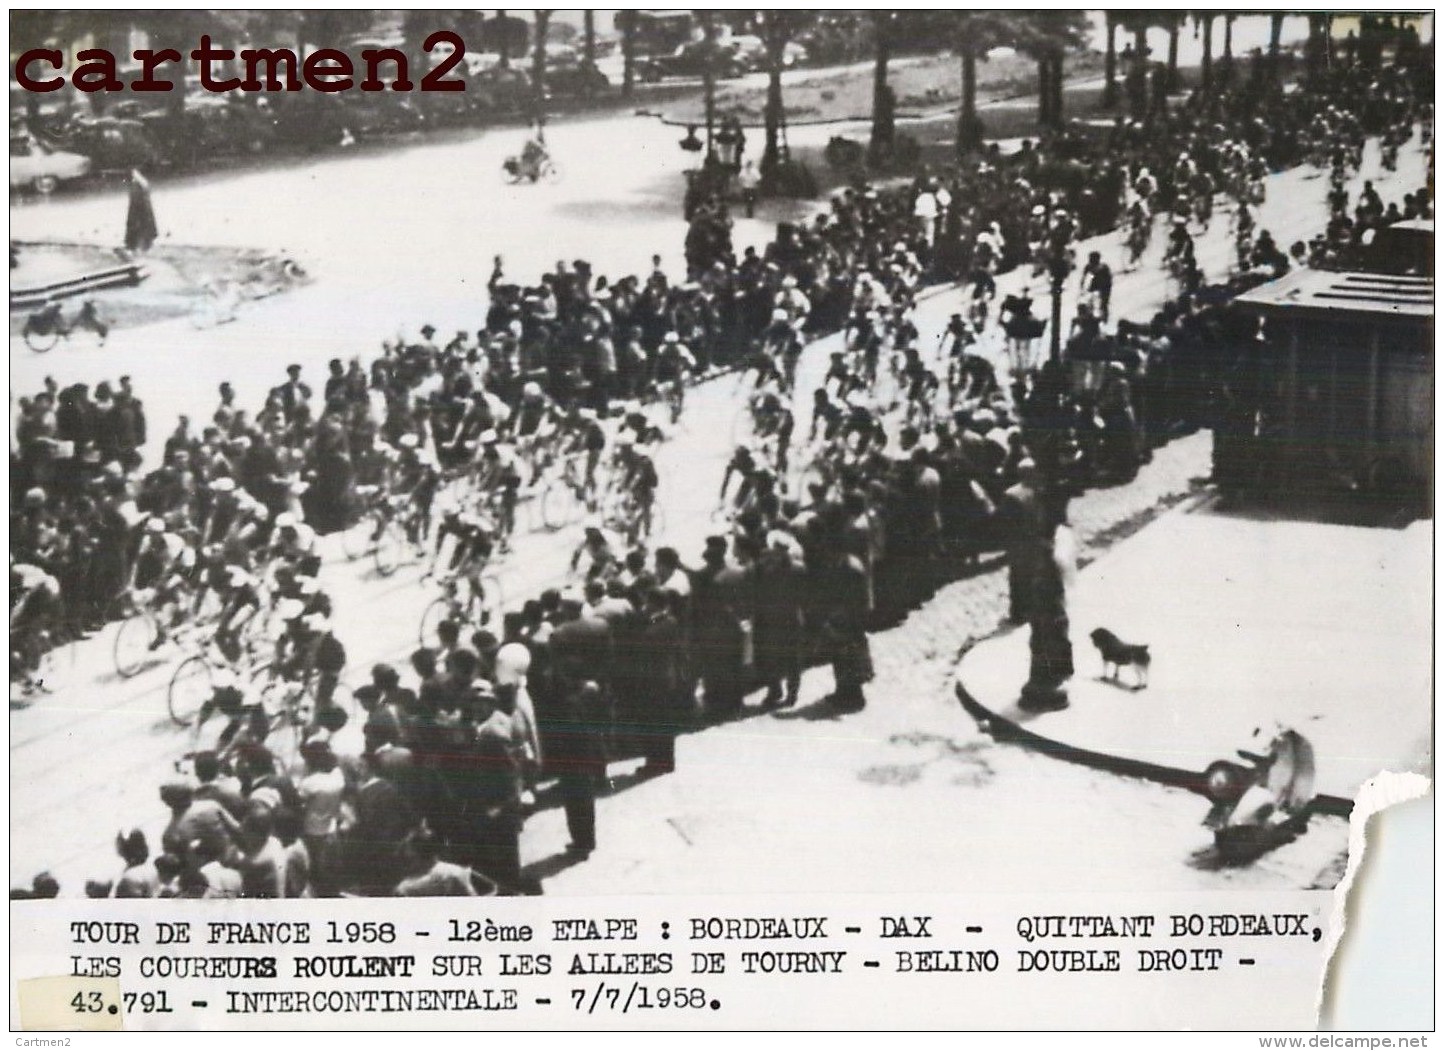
(576, 80)
(751, 53)
(207, 126)
(111, 143)
(688, 61)
(35, 166)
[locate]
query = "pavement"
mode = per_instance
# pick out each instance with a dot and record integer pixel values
(85, 760)
(1267, 623)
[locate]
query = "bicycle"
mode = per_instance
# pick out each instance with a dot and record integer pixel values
(625, 515)
(459, 601)
(37, 653)
(145, 631)
(565, 494)
(49, 325)
(291, 705)
(359, 535)
(401, 536)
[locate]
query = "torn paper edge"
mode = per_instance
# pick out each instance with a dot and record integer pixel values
(1385, 790)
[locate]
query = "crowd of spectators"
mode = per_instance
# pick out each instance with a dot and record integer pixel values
(459, 747)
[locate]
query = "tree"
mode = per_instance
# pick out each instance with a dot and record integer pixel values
(777, 29)
(627, 25)
(1226, 65)
(884, 129)
(1203, 22)
(539, 67)
(1276, 31)
(1173, 23)
(1046, 37)
(978, 32)
(1110, 61)
(589, 36)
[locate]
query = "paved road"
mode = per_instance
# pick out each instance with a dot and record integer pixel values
(86, 760)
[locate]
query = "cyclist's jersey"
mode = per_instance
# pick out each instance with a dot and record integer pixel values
(641, 476)
(300, 544)
(28, 579)
(531, 414)
(413, 474)
(674, 361)
(743, 463)
(159, 560)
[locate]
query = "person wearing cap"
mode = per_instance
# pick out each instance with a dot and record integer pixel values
(293, 394)
(194, 820)
(598, 549)
(675, 364)
(322, 788)
(139, 879)
(845, 606)
(428, 875)
(780, 629)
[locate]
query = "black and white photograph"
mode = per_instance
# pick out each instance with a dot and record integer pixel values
(712, 452)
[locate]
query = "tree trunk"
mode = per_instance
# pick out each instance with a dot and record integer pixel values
(883, 122)
(970, 130)
(1058, 90)
(1173, 55)
(1110, 64)
(1045, 93)
(629, 52)
(589, 36)
(539, 65)
(1205, 72)
(772, 116)
(503, 40)
(1276, 30)
(1228, 48)
(709, 77)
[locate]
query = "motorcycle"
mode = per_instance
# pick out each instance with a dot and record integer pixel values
(1264, 805)
(516, 169)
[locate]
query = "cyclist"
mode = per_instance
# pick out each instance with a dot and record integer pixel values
(639, 482)
(980, 298)
(245, 716)
(534, 154)
(160, 569)
(781, 349)
(500, 471)
(1097, 284)
(35, 601)
(827, 416)
(474, 543)
(674, 364)
(415, 480)
(294, 543)
(794, 303)
(774, 423)
(587, 436)
(308, 653)
(598, 549)
(744, 465)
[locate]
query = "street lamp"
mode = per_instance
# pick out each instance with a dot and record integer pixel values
(1058, 270)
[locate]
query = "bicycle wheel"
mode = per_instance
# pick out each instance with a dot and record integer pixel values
(559, 504)
(438, 610)
(390, 550)
(39, 341)
(358, 537)
(190, 688)
(743, 426)
(493, 601)
(551, 171)
(132, 650)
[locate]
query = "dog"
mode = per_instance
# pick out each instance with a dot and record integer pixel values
(1118, 654)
